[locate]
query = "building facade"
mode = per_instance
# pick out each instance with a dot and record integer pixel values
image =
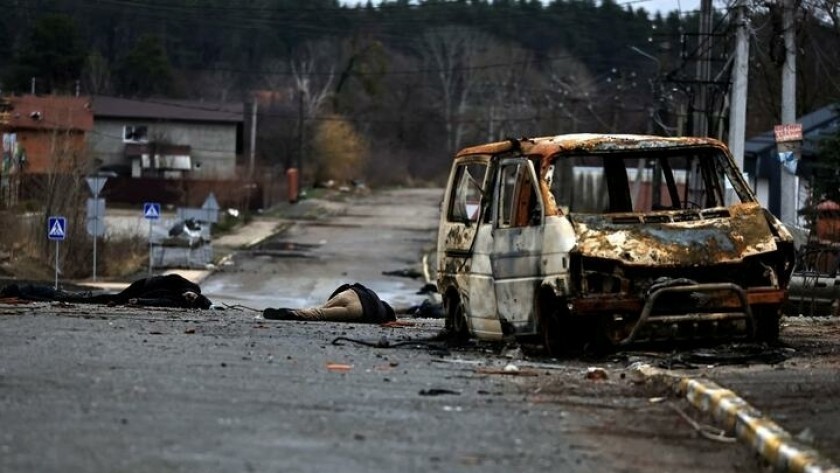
(166, 139)
(41, 136)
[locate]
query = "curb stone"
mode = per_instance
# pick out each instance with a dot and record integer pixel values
(768, 439)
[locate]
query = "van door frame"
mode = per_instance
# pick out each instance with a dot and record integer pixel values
(463, 257)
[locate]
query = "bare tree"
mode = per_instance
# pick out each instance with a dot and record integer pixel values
(818, 61)
(217, 84)
(570, 89)
(276, 76)
(452, 55)
(313, 73)
(97, 75)
(820, 21)
(508, 90)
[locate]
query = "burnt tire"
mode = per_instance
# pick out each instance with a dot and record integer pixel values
(560, 335)
(767, 325)
(550, 334)
(455, 323)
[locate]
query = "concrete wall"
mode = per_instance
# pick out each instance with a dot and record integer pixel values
(213, 145)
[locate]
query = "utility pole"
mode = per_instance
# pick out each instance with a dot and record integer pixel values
(789, 182)
(704, 72)
(253, 144)
(301, 131)
(740, 74)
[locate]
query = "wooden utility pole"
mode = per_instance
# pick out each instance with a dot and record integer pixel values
(789, 182)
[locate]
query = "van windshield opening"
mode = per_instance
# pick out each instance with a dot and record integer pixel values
(682, 179)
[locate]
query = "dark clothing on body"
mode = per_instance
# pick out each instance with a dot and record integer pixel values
(171, 290)
(375, 309)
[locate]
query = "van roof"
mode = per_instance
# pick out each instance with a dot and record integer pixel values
(590, 143)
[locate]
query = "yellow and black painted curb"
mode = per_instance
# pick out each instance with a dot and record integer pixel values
(770, 441)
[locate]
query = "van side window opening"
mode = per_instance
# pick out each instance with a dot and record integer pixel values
(465, 203)
(617, 183)
(518, 204)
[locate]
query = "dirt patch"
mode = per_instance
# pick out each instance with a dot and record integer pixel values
(817, 338)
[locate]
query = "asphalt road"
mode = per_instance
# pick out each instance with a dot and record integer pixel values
(88, 388)
(333, 244)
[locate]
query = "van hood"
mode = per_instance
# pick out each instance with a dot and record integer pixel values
(680, 238)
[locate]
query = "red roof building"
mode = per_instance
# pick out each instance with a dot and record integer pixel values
(44, 134)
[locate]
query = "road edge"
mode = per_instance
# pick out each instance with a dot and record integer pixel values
(768, 439)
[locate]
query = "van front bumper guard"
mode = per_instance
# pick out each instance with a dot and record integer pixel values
(641, 310)
(742, 310)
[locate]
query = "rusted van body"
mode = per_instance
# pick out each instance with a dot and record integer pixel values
(580, 238)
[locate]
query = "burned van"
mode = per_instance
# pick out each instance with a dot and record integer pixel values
(578, 239)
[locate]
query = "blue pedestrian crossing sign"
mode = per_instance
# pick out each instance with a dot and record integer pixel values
(151, 210)
(56, 228)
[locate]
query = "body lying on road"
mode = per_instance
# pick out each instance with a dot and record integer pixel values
(170, 290)
(348, 303)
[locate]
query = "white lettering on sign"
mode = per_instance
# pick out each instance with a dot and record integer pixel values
(790, 132)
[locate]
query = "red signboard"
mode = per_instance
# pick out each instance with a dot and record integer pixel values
(791, 132)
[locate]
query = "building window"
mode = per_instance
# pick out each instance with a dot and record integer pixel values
(135, 134)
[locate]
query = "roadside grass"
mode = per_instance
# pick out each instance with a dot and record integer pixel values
(25, 252)
(123, 256)
(22, 253)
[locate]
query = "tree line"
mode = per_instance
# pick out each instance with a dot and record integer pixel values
(388, 92)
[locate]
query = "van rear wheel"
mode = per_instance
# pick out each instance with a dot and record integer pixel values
(559, 333)
(550, 333)
(456, 320)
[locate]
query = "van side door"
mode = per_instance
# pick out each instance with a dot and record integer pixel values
(517, 253)
(464, 243)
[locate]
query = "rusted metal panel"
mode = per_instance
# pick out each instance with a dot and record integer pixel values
(766, 296)
(691, 243)
(608, 303)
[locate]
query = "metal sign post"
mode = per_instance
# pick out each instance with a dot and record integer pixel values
(151, 212)
(210, 207)
(789, 148)
(57, 231)
(95, 229)
(95, 224)
(96, 210)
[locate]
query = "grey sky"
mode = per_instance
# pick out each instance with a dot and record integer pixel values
(663, 6)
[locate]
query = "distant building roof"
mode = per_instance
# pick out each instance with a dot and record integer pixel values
(165, 109)
(50, 112)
